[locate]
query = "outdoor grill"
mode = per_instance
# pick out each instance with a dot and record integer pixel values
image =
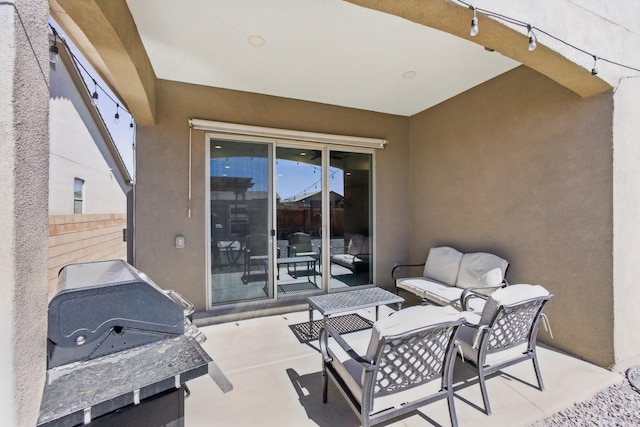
(120, 349)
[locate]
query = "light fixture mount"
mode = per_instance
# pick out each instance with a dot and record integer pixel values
(533, 41)
(256, 41)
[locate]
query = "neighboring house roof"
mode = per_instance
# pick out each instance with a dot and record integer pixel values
(304, 196)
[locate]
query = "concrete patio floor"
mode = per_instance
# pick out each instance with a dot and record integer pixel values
(277, 382)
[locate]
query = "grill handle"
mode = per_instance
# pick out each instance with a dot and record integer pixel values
(176, 297)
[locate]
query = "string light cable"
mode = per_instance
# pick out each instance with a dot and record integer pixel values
(94, 95)
(532, 32)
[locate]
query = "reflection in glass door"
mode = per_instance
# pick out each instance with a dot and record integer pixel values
(299, 219)
(241, 251)
(351, 220)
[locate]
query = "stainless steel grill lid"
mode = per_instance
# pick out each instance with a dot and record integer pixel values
(104, 307)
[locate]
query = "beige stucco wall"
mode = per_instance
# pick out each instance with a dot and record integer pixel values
(24, 158)
(522, 167)
(626, 247)
(162, 176)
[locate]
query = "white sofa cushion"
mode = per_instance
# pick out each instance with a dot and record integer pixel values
(356, 244)
(481, 269)
(443, 264)
(431, 290)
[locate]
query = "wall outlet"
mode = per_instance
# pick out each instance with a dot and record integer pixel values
(180, 242)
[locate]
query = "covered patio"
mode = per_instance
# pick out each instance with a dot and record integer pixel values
(499, 161)
(277, 382)
(535, 161)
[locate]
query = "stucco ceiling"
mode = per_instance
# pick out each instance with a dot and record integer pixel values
(326, 51)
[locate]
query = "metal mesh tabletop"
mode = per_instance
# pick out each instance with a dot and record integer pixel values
(352, 300)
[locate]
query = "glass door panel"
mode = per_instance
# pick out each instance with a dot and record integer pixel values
(299, 219)
(351, 220)
(241, 251)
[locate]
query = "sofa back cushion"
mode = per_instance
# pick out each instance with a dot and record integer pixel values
(443, 264)
(407, 320)
(356, 245)
(481, 269)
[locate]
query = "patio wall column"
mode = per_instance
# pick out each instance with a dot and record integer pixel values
(24, 173)
(626, 219)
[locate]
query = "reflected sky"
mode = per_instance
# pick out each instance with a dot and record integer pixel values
(292, 178)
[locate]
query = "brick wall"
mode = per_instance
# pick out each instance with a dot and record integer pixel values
(84, 238)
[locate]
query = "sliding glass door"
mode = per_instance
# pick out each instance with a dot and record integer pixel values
(299, 224)
(351, 220)
(287, 219)
(240, 197)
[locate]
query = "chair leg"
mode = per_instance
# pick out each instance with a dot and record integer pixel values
(452, 408)
(324, 383)
(483, 389)
(536, 367)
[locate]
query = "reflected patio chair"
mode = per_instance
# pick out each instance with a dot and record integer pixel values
(256, 255)
(504, 333)
(300, 245)
(408, 363)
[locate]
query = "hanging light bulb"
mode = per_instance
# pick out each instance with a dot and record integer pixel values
(474, 24)
(116, 118)
(94, 97)
(53, 51)
(532, 39)
(594, 70)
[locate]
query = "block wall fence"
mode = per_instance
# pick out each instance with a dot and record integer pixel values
(84, 238)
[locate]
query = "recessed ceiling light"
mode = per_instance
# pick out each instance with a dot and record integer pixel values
(256, 41)
(409, 74)
(303, 154)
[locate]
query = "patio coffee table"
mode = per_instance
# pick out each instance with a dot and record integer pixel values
(340, 302)
(309, 260)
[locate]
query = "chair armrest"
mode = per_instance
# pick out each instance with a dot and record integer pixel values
(328, 330)
(469, 293)
(397, 265)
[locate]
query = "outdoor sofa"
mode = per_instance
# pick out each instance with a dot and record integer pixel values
(356, 256)
(451, 277)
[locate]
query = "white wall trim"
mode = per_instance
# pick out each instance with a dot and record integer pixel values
(295, 135)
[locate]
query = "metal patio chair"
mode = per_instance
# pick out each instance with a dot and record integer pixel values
(256, 256)
(408, 363)
(505, 333)
(300, 245)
